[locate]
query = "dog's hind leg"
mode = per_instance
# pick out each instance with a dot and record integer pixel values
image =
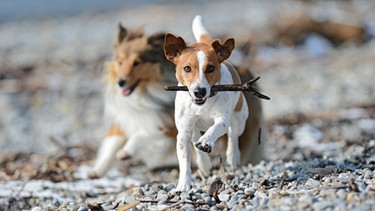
(233, 150)
(236, 128)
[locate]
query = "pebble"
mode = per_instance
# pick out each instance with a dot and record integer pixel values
(129, 199)
(312, 183)
(169, 187)
(162, 194)
(249, 191)
(83, 209)
(188, 207)
(184, 196)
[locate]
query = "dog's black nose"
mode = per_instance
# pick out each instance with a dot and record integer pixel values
(200, 92)
(121, 82)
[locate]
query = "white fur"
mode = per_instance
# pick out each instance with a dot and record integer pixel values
(141, 117)
(105, 160)
(216, 117)
(201, 80)
(198, 28)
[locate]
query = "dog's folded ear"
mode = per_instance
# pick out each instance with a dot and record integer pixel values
(223, 51)
(173, 46)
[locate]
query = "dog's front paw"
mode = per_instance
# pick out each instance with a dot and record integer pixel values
(205, 147)
(92, 174)
(122, 155)
(181, 188)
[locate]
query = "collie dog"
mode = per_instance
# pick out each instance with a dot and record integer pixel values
(138, 108)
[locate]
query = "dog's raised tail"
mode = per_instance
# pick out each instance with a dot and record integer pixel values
(199, 31)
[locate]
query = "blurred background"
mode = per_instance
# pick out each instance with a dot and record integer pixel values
(314, 58)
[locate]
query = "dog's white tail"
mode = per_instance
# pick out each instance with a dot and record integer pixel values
(198, 29)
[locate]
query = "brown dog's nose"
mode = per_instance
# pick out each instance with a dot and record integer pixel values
(121, 82)
(200, 92)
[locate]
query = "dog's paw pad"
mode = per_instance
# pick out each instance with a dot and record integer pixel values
(205, 148)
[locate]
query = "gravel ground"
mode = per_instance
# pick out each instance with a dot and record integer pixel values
(320, 155)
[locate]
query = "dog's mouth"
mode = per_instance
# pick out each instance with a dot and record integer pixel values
(199, 101)
(126, 91)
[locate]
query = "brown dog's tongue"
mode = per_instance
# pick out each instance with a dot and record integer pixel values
(126, 92)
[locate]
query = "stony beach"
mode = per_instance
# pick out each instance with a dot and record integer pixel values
(321, 149)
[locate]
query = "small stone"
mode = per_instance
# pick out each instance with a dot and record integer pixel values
(162, 202)
(157, 187)
(83, 209)
(321, 205)
(264, 201)
(137, 192)
(341, 193)
(169, 187)
(224, 197)
(255, 185)
(232, 203)
(249, 191)
(36, 209)
(249, 177)
(196, 196)
(150, 192)
(129, 199)
(176, 198)
(361, 186)
(311, 183)
(109, 205)
(188, 207)
(260, 194)
(184, 196)
(72, 207)
(162, 194)
(207, 199)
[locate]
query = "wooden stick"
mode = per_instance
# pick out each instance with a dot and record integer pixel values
(248, 86)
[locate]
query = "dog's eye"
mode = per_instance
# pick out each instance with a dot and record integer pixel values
(136, 63)
(187, 69)
(210, 69)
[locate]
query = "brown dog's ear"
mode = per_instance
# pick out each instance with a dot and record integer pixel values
(223, 51)
(121, 34)
(173, 46)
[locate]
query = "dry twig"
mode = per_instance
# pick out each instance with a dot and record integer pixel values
(248, 86)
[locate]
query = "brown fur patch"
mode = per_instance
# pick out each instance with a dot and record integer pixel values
(115, 130)
(236, 80)
(248, 141)
(139, 58)
(189, 58)
(206, 39)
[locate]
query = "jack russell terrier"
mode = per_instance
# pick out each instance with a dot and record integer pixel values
(199, 66)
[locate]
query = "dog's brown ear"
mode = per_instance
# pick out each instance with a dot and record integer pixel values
(121, 34)
(173, 46)
(223, 51)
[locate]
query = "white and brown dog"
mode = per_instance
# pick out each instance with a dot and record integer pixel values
(199, 66)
